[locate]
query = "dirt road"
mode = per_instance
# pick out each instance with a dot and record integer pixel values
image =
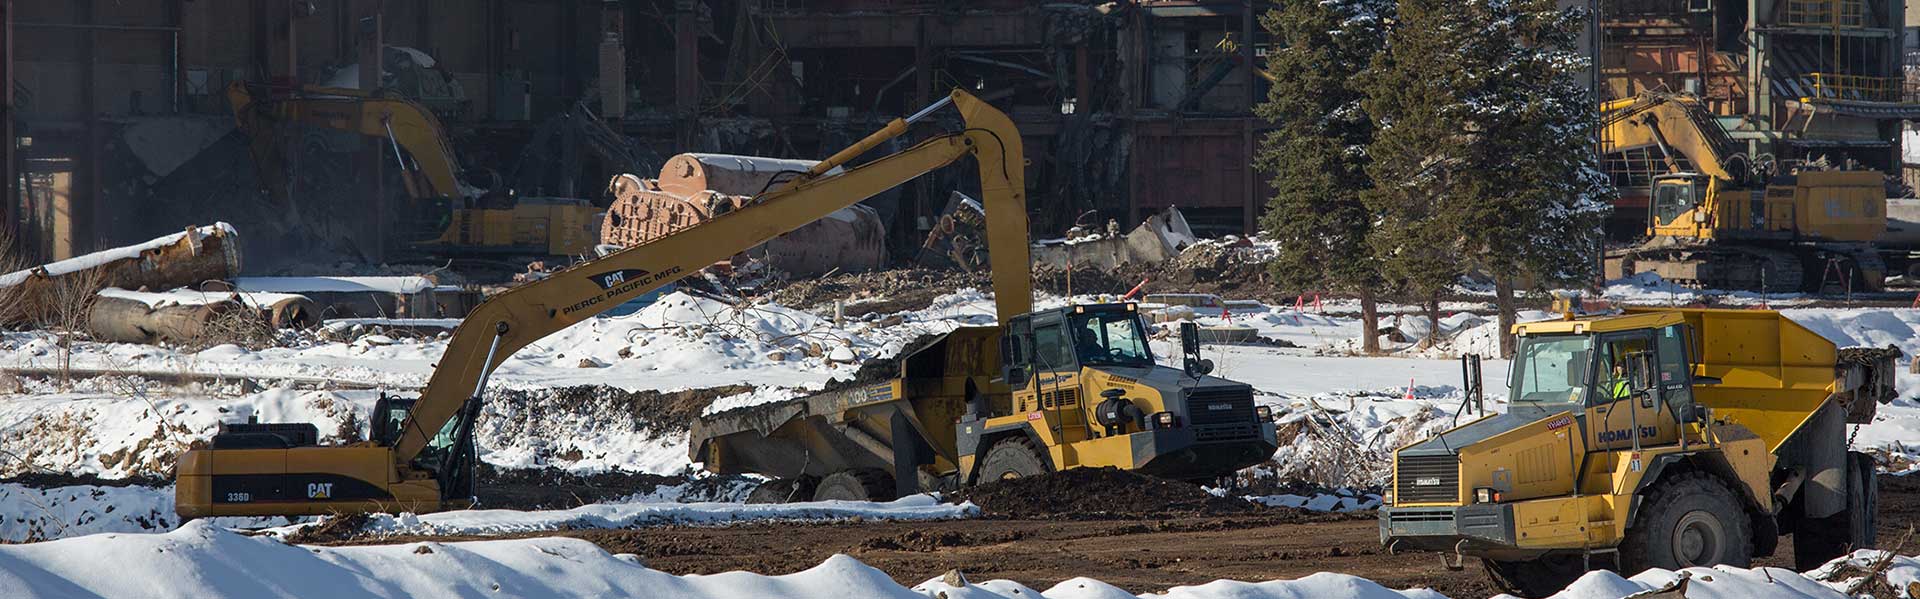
(1139, 555)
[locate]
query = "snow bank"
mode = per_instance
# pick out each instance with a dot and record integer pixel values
(1323, 502)
(633, 515)
(1649, 289)
(62, 512)
(203, 561)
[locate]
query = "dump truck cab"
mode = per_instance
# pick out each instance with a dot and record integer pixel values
(1655, 438)
(1083, 383)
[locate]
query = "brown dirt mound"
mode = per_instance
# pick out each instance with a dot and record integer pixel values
(1094, 493)
(49, 480)
(667, 412)
(333, 530)
(552, 488)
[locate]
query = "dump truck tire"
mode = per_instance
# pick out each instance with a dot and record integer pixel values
(1692, 519)
(784, 490)
(1818, 541)
(859, 484)
(1535, 578)
(1012, 457)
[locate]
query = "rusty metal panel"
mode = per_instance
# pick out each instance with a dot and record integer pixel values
(1190, 169)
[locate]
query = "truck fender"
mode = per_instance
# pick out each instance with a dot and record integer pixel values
(977, 444)
(1766, 531)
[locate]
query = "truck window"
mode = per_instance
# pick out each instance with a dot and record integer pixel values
(1551, 370)
(1114, 338)
(1675, 376)
(1051, 351)
(1610, 381)
(1671, 199)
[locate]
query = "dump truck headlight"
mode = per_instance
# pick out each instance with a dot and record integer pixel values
(1165, 420)
(1264, 413)
(1485, 495)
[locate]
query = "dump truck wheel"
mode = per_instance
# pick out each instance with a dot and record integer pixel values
(1535, 578)
(1689, 520)
(1012, 457)
(859, 484)
(784, 490)
(1818, 541)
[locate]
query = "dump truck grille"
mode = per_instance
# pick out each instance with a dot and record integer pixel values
(1222, 414)
(1427, 479)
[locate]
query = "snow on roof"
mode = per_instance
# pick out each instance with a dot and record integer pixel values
(83, 262)
(401, 285)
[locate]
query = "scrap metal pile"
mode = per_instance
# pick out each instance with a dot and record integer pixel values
(696, 188)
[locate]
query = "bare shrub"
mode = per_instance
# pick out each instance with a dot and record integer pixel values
(64, 306)
(237, 325)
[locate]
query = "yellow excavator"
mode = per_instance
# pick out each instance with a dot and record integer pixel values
(447, 216)
(420, 454)
(1657, 438)
(1720, 219)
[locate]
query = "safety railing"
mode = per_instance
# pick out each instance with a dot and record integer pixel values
(1824, 13)
(1862, 88)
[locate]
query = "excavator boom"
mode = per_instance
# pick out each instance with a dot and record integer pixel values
(400, 122)
(261, 469)
(1677, 127)
(522, 315)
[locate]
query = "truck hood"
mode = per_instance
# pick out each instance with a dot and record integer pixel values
(1450, 442)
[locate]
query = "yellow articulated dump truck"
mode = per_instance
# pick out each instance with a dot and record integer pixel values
(1048, 391)
(1657, 438)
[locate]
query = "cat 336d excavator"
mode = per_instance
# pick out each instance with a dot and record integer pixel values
(420, 456)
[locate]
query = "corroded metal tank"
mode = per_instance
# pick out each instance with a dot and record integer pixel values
(695, 188)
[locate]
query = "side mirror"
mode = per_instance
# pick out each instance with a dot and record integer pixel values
(1199, 367)
(1189, 338)
(1014, 375)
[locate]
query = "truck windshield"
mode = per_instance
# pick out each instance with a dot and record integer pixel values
(1111, 338)
(1551, 369)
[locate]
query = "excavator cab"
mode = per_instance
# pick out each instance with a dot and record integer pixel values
(1679, 201)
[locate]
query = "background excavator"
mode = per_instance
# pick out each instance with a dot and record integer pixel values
(1721, 219)
(445, 217)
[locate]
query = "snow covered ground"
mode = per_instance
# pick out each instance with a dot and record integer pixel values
(1343, 412)
(202, 560)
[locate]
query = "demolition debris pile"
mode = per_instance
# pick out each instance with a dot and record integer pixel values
(1095, 493)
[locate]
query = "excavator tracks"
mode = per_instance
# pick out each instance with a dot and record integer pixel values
(1811, 268)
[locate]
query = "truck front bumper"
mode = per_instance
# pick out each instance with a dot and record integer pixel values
(1484, 526)
(1182, 453)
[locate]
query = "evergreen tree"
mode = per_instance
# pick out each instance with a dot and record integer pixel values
(1485, 131)
(1417, 91)
(1553, 195)
(1317, 152)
